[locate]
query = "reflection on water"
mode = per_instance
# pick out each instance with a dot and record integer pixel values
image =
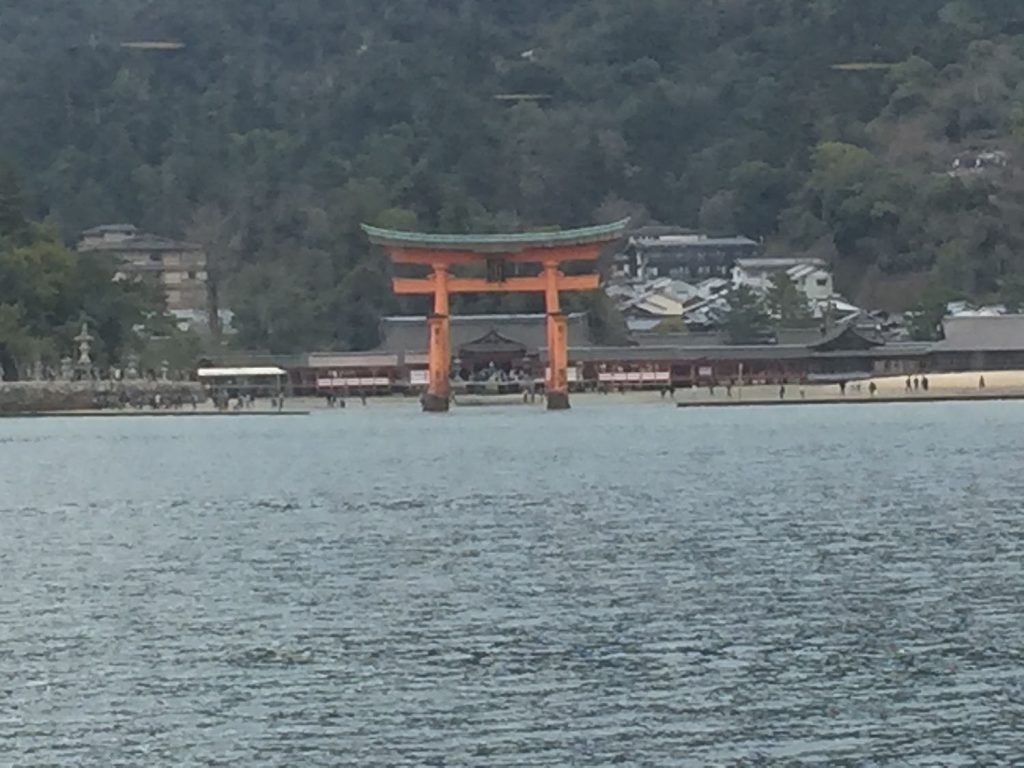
(634, 586)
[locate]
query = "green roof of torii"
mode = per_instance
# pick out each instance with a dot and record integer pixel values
(499, 242)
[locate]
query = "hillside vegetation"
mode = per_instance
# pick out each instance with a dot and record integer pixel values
(828, 127)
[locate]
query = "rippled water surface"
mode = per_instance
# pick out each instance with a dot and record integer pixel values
(614, 585)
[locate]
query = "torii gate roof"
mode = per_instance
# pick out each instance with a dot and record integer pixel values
(496, 243)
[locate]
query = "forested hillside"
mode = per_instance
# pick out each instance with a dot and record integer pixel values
(825, 126)
(46, 293)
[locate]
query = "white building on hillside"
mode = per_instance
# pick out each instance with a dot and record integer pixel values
(691, 257)
(810, 276)
(178, 268)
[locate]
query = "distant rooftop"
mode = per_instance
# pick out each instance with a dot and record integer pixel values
(771, 263)
(686, 240)
(111, 229)
(660, 230)
(127, 237)
(658, 305)
(998, 333)
(803, 270)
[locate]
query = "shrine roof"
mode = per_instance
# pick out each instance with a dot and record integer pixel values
(408, 334)
(995, 333)
(517, 241)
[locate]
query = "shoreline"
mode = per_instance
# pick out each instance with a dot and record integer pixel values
(943, 387)
(84, 414)
(938, 397)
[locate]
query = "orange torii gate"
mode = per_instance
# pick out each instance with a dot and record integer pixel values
(549, 250)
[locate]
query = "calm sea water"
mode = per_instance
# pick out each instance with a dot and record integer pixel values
(615, 585)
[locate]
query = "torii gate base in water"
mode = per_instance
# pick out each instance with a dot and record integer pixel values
(492, 255)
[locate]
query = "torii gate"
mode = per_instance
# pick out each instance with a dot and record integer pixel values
(441, 253)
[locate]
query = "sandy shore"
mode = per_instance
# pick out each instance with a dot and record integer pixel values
(944, 386)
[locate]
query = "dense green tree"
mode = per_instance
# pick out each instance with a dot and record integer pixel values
(14, 226)
(786, 303)
(746, 319)
(277, 128)
(925, 316)
(46, 292)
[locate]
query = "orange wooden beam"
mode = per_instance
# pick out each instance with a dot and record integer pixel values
(412, 285)
(427, 285)
(429, 257)
(579, 282)
(587, 252)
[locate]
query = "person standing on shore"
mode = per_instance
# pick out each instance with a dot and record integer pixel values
(916, 383)
(924, 383)
(872, 388)
(909, 385)
(981, 382)
(842, 389)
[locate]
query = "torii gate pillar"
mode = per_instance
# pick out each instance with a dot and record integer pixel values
(438, 394)
(556, 385)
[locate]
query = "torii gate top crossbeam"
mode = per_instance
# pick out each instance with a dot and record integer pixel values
(395, 240)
